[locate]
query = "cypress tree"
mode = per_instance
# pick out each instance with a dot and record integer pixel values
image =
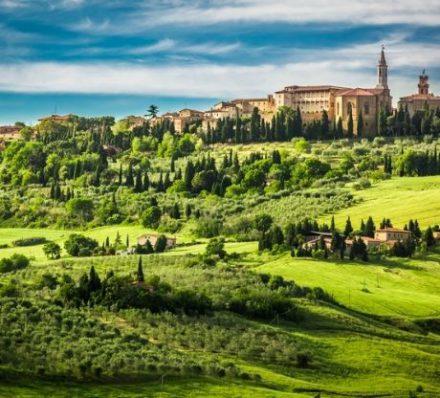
(360, 125)
(129, 180)
(339, 129)
(138, 185)
(140, 271)
(348, 227)
(350, 124)
(146, 182)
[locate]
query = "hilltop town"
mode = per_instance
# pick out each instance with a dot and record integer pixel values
(351, 112)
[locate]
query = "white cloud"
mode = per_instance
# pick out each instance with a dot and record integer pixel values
(97, 27)
(149, 15)
(359, 12)
(353, 66)
(160, 46)
(212, 81)
(207, 48)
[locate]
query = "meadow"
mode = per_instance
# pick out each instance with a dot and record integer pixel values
(399, 199)
(352, 328)
(371, 346)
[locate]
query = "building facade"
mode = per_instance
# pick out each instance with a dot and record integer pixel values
(340, 102)
(418, 102)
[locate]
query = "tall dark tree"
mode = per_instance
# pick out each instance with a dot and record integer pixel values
(140, 271)
(348, 227)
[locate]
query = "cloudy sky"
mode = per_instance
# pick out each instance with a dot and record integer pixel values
(116, 57)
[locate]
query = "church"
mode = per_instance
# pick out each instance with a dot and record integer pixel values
(341, 102)
(418, 102)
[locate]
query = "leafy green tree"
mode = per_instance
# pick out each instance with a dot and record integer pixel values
(152, 111)
(79, 245)
(81, 209)
(52, 250)
(262, 223)
(13, 263)
(151, 217)
(216, 247)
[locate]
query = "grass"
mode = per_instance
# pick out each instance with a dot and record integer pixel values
(354, 355)
(8, 235)
(391, 287)
(399, 199)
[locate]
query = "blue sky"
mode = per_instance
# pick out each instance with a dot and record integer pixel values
(116, 57)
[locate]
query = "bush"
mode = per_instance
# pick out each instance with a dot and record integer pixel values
(80, 246)
(362, 183)
(29, 241)
(14, 263)
(303, 360)
(151, 217)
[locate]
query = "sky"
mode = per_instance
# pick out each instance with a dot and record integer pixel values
(116, 57)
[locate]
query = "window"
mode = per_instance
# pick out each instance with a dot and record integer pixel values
(349, 107)
(366, 108)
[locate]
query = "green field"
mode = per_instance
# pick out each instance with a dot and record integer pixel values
(399, 199)
(379, 337)
(403, 287)
(354, 354)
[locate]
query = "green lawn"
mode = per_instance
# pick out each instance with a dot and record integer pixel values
(170, 389)
(8, 235)
(397, 287)
(399, 199)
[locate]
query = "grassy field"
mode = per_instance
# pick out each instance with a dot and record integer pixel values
(393, 287)
(354, 355)
(8, 235)
(399, 199)
(170, 389)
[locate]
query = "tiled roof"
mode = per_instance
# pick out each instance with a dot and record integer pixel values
(357, 92)
(389, 229)
(426, 97)
(314, 88)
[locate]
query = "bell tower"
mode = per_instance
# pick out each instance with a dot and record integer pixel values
(382, 71)
(423, 83)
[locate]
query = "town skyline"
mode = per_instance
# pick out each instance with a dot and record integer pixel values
(95, 58)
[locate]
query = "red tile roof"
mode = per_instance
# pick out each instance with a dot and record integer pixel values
(314, 88)
(357, 92)
(426, 97)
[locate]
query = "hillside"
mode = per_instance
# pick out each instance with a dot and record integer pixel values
(242, 306)
(343, 344)
(400, 199)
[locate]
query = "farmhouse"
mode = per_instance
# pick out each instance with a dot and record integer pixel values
(8, 133)
(56, 118)
(152, 238)
(384, 236)
(391, 234)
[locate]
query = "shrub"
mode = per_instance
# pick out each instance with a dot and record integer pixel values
(52, 250)
(80, 246)
(151, 217)
(303, 360)
(14, 263)
(29, 241)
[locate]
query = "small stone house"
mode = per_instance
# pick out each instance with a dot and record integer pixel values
(152, 238)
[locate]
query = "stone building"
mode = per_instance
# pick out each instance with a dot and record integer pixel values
(339, 102)
(181, 119)
(8, 133)
(311, 100)
(418, 102)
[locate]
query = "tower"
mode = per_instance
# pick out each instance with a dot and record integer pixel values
(382, 71)
(423, 84)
